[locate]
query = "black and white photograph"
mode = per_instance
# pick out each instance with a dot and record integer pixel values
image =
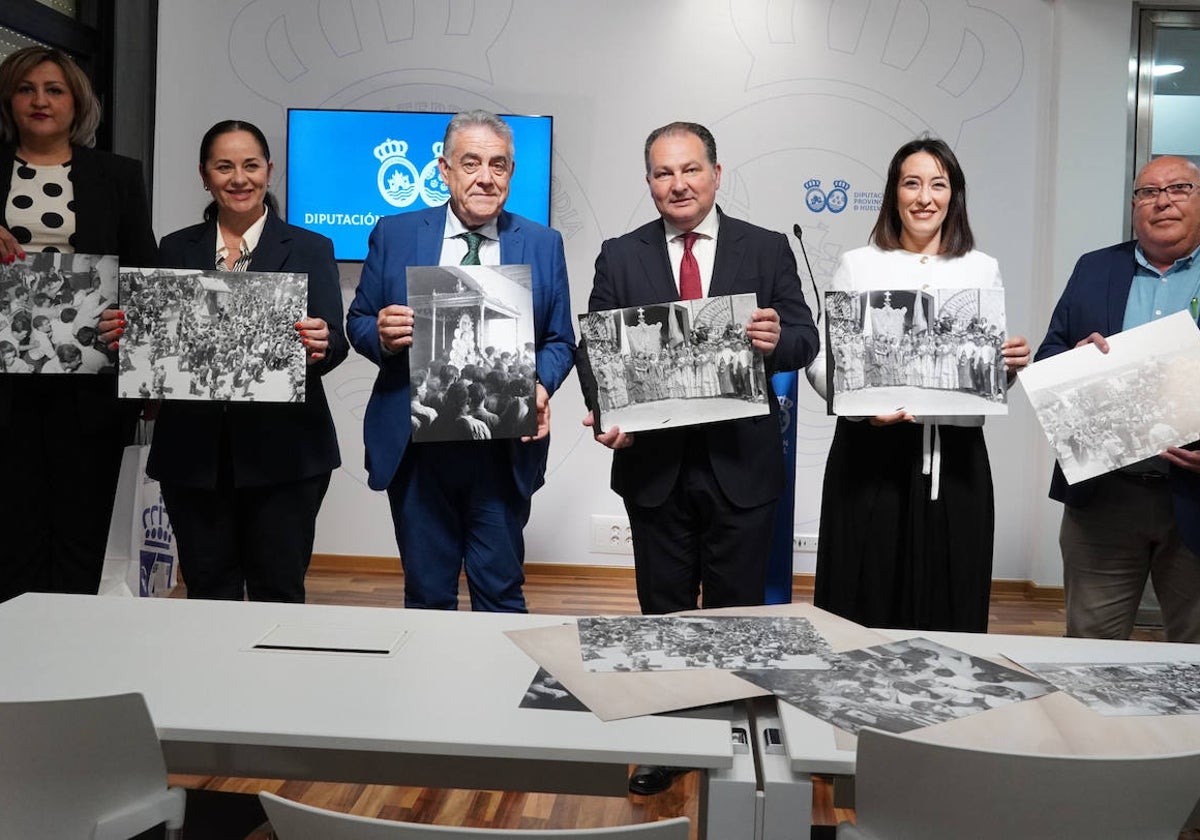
(680, 363)
(50, 304)
(676, 643)
(930, 352)
(899, 686)
(1105, 411)
(546, 692)
(219, 336)
(1125, 688)
(472, 366)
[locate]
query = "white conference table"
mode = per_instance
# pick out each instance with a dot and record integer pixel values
(442, 710)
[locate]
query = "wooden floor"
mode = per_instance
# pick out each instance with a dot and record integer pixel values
(562, 595)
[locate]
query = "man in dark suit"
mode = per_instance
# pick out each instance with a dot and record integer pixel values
(459, 504)
(701, 500)
(1144, 519)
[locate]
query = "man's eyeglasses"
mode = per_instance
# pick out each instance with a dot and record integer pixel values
(1175, 192)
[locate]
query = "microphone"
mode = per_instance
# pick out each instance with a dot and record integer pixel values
(799, 234)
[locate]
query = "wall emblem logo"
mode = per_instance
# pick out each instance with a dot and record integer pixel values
(398, 179)
(834, 201)
(433, 189)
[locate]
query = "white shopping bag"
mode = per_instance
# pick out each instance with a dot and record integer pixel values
(140, 558)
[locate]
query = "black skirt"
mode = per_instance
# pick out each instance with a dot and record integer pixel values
(888, 555)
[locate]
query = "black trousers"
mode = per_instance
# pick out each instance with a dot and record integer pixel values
(239, 542)
(699, 544)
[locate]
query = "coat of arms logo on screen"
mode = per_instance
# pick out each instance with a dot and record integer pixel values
(399, 182)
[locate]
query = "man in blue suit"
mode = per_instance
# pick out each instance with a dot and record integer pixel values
(1143, 520)
(459, 504)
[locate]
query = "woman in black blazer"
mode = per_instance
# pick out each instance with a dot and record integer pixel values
(243, 481)
(63, 434)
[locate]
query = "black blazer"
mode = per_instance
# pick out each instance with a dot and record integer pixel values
(111, 217)
(746, 455)
(264, 443)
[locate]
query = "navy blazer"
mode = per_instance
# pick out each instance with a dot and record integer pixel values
(111, 217)
(1094, 301)
(266, 443)
(416, 238)
(746, 455)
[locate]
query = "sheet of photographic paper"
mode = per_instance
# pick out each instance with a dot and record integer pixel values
(217, 336)
(50, 304)
(472, 368)
(546, 692)
(674, 643)
(680, 363)
(620, 694)
(1104, 411)
(1126, 688)
(299, 638)
(929, 352)
(899, 687)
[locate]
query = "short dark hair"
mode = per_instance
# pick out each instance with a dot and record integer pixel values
(227, 127)
(87, 106)
(957, 238)
(680, 127)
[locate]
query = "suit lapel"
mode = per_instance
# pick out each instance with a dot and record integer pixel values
(429, 236)
(512, 240)
(656, 265)
(728, 259)
(1120, 280)
(272, 249)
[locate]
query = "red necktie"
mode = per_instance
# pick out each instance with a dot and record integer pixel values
(689, 270)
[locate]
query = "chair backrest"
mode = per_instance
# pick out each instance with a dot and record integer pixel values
(905, 788)
(66, 764)
(295, 821)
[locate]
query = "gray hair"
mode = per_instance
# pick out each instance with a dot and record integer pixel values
(671, 129)
(470, 119)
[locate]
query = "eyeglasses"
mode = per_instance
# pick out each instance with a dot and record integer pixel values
(1175, 192)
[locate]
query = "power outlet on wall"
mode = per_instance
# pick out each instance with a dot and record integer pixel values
(611, 535)
(804, 542)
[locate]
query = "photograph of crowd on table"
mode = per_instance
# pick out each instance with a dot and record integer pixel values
(1127, 688)
(678, 363)
(932, 352)
(50, 304)
(221, 336)
(472, 364)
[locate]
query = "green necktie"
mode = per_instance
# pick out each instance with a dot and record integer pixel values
(474, 240)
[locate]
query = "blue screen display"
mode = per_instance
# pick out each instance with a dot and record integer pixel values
(345, 169)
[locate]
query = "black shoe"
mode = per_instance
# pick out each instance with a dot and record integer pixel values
(649, 779)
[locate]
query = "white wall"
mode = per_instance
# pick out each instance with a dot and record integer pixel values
(1031, 93)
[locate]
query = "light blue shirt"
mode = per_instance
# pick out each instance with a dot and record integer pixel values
(1156, 294)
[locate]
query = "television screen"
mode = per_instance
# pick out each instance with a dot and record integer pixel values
(345, 169)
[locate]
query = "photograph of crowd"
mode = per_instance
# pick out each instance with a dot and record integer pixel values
(546, 692)
(669, 643)
(680, 363)
(1127, 688)
(50, 304)
(933, 352)
(899, 686)
(224, 336)
(1105, 411)
(472, 367)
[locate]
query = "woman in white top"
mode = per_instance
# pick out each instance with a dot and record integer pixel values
(907, 510)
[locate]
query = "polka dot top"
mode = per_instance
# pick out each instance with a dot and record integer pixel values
(41, 207)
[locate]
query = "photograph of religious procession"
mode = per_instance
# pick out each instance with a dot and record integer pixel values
(1104, 411)
(899, 687)
(680, 363)
(1127, 688)
(472, 368)
(932, 352)
(220, 336)
(50, 304)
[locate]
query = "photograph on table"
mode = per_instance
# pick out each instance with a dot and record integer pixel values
(219, 336)
(899, 686)
(1126, 688)
(50, 304)
(1105, 411)
(472, 365)
(677, 643)
(928, 352)
(679, 363)
(546, 692)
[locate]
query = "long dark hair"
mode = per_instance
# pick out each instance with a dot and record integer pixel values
(227, 127)
(957, 238)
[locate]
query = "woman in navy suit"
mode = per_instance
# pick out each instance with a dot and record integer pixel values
(243, 481)
(63, 434)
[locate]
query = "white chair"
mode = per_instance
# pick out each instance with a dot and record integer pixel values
(295, 821)
(87, 768)
(905, 788)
